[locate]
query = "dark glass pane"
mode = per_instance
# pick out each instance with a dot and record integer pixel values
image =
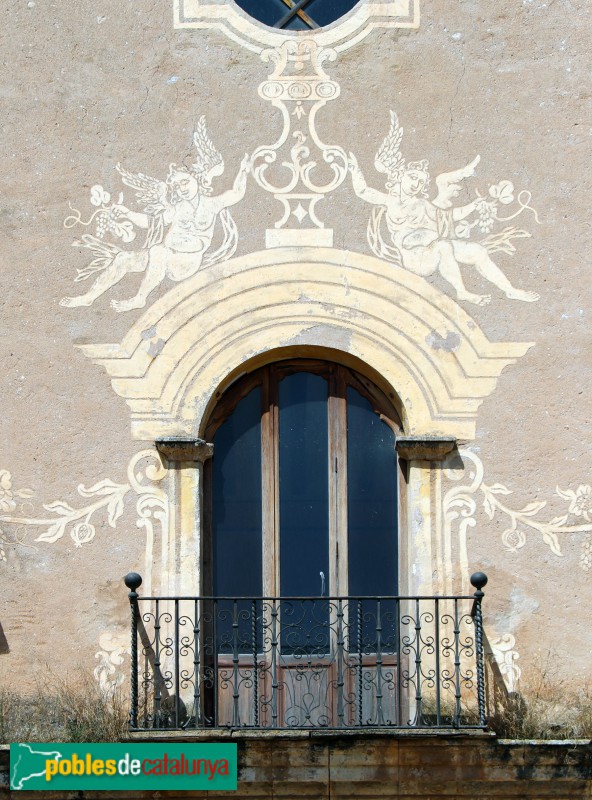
(270, 12)
(296, 24)
(267, 11)
(372, 500)
(236, 501)
(304, 490)
(372, 525)
(324, 12)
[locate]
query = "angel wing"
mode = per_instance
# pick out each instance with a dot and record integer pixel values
(152, 195)
(150, 191)
(208, 160)
(448, 183)
(389, 158)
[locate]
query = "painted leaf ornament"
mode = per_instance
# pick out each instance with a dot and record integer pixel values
(98, 196)
(503, 192)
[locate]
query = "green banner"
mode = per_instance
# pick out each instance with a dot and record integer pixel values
(113, 767)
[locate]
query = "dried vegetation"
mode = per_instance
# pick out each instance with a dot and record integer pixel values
(71, 708)
(544, 707)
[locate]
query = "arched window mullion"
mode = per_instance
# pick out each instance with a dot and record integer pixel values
(381, 404)
(337, 481)
(270, 482)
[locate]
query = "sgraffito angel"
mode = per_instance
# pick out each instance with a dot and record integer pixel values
(427, 235)
(179, 216)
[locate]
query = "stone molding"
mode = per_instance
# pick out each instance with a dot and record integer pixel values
(230, 317)
(174, 449)
(424, 449)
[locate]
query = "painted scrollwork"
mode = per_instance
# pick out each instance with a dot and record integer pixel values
(461, 505)
(106, 499)
(503, 650)
(586, 557)
(114, 648)
(301, 96)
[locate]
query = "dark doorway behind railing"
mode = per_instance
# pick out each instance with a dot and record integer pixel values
(310, 662)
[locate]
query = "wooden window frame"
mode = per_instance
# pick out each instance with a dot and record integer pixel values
(268, 377)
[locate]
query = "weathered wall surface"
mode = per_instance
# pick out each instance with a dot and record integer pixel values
(400, 769)
(86, 388)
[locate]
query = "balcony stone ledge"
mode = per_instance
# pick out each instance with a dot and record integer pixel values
(217, 734)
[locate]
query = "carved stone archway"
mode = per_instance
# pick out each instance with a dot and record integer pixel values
(427, 349)
(232, 317)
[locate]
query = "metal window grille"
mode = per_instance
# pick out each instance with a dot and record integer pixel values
(296, 14)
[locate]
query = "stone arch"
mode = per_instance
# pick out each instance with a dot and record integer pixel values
(307, 351)
(426, 348)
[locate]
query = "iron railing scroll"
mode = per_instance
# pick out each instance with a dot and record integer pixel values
(307, 662)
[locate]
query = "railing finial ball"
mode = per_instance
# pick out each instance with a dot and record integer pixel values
(133, 581)
(479, 580)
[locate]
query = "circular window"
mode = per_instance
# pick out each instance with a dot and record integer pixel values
(296, 15)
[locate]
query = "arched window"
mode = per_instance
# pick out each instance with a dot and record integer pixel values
(301, 549)
(303, 486)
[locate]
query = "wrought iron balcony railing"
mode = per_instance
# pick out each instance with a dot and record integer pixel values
(312, 662)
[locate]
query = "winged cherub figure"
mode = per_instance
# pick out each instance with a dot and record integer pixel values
(179, 218)
(422, 230)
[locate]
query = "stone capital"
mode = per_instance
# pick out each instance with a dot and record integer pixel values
(174, 449)
(417, 448)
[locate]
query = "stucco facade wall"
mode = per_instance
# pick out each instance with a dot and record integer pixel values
(85, 390)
